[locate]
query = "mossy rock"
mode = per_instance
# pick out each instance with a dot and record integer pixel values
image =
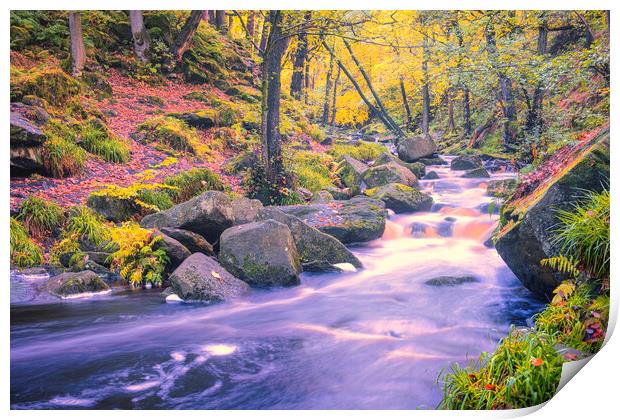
(388, 173)
(418, 168)
(476, 173)
(53, 85)
(401, 198)
(527, 222)
(68, 284)
(351, 170)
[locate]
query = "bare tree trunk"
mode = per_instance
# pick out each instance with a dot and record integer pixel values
(230, 22)
(426, 99)
(403, 94)
(395, 128)
(328, 86)
(250, 25)
(450, 111)
(306, 85)
(220, 21)
(534, 123)
(211, 15)
(141, 39)
(505, 94)
(78, 52)
(184, 39)
(299, 63)
(333, 117)
(371, 108)
(264, 35)
(271, 87)
(466, 112)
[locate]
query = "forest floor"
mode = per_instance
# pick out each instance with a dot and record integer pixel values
(128, 106)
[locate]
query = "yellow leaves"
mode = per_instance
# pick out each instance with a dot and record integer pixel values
(563, 292)
(350, 109)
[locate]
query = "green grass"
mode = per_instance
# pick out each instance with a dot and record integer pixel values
(39, 216)
(24, 251)
(362, 151)
(193, 182)
(98, 140)
(583, 232)
(85, 224)
(312, 170)
(62, 157)
(523, 371)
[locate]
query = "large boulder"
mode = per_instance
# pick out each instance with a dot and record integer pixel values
(350, 171)
(418, 168)
(117, 208)
(312, 244)
(202, 278)
(175, 250)
(476, 173)
(192, 241)
(26, 141)
(401, 198)
(387, 173)
(68, 284)
(415, 148)
(208, 214)
(261, 253)
(529, 220)
(359, 219)
(463, 163)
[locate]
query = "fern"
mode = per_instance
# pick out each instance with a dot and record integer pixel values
(563, 264)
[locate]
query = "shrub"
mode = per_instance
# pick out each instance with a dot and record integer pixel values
(69, 248)
(258, 187)
(193, 182)
(523, 371)
(138, 259)
(362, 151)
(62, 157)
(24, 251)
(583, 233)
(97, 139)
(575, 317)
(85, 224)
(170, 132)
(40, 216)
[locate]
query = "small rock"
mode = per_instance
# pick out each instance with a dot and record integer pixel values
(451, 281)
(431, 175)
(69, 284)
(476, 173)
(462, 163)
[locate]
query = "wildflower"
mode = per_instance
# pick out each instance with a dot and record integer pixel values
(537, 361)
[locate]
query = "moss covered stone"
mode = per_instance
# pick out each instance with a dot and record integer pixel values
(401, 198)
(388, 173)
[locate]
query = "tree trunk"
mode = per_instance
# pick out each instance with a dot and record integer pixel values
(328, 86)
(306, 85)
(403, 94)
(141, 40)
(270, 116)
(371, 108)
(505, 94)
(450, 105)
(78, 52)
(395, 128)
(534, 123)
(299, 62)
(251, 24)
(264, 35)
(466, 112)
(184, 39)
(426, 99)
(333, 117)
(211, 15)
(220, 21)
(230, 22)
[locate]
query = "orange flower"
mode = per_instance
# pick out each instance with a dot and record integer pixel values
(537, 361)
(489, 387)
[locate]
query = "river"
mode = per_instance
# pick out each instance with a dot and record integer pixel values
(375, 339)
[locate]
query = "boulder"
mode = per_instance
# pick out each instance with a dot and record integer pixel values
(451, 281)
(476, 173)
(117, 209)
(351, 170)
(528, 221)
(463, 163)
(192, 241)
(197, 119)
(431, 175)
(26, 141)
(261, 253)
(501, 187)
(359, 219)
(415, 148)
(175, 250)
(208, 214)
(201, 278)
(401, 198)
(312, 244)
(435, 161)
(341, 193)
(322, 196)
(388, 173)
(68, 284)
(418, 168)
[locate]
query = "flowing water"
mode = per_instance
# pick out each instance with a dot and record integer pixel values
(375, 339)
